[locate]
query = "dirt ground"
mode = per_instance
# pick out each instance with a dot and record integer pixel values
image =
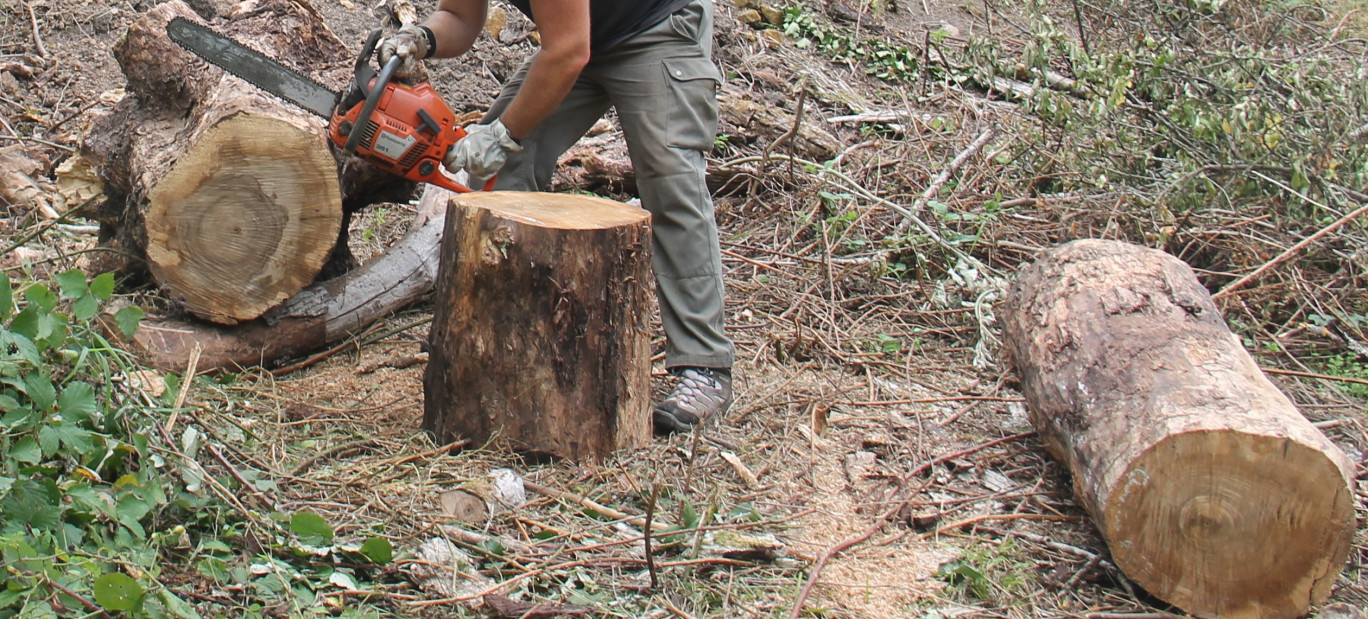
(815, 446)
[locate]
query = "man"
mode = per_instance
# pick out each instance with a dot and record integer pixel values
(652, 61)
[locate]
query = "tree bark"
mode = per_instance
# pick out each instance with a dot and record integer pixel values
(1211, 490)
(540, 336)
(231, 196)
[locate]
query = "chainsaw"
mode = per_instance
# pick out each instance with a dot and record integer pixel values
(400, 128)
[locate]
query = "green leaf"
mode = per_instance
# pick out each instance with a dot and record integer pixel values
(127, 319)
(37, 504)
(689, 516)
(17, 346)
(40, 297)
(102, 286)
(8, 482)
(177, 606)
(378, 550)
(117, 591)
(73, 284)
(77, 402)
(25, 323)
(26, 451)
(85, 307)
(6, 297)
(311, 529)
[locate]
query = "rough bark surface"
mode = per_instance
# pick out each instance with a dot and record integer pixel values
(540, 334)
(1210, 488)
(231, 198)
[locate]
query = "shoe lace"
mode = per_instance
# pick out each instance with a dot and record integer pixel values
(693, 386)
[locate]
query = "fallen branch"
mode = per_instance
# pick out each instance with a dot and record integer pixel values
(37, 38)
(571, 497)
(944, 175)
(1290, 252)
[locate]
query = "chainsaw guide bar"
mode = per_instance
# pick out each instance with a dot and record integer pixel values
(252, 66)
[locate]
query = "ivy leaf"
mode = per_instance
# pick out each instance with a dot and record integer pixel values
(378, 550)
(127, 319)
(311, 529)
(117, 591)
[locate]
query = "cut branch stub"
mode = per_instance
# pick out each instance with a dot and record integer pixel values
(1210, 488)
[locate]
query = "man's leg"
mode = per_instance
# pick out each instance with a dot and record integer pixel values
(664, 86)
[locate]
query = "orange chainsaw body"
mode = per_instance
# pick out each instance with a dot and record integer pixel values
(408, 133)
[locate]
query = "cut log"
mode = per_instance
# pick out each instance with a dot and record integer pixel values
(231, 196)
(1211, 490)
(540, 334)
(321, 315)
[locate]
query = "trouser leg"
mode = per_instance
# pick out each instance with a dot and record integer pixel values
(664, 86)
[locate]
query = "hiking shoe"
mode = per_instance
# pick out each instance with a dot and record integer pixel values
(699, 395)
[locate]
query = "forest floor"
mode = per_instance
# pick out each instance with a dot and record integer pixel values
(866, 378)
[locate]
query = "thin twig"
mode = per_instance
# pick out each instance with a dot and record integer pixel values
(37, 39)
(646, 535)
(1290, 252)
(944, 175)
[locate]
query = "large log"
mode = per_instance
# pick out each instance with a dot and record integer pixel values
(231, 196)
(321, 315)
(540, 334)
(1210, 489)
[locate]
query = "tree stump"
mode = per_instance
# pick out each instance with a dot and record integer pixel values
(232, 196)
(1210, 488)
(539, 337)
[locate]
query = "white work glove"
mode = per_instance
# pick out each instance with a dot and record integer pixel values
(482, 152)
(410, 43)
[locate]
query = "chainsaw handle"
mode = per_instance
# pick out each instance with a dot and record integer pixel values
(372, 100)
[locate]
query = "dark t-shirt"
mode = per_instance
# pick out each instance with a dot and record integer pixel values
(614, 21)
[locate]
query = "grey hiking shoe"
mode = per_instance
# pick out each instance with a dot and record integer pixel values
(699, 395)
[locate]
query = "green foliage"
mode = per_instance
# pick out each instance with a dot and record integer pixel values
(98, 512)
(884, 60)
(1193, 106)
(986, 573)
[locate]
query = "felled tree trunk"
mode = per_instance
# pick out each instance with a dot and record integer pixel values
(540, 338)
(1211, 490)
(231, 196)
(319, 316)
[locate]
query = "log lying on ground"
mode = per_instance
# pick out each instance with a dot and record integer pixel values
(1211, 490)
(540, 334)
(232, 196)
(319, 316)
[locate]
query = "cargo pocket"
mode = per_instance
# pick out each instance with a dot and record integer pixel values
(693, 102)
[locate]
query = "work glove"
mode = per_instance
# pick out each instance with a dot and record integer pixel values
(410, 43)
(482, 152)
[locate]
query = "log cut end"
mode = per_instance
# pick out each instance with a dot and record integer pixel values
(1232, 524)
(245, 220)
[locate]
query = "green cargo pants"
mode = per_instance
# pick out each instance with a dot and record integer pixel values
(664, 86)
